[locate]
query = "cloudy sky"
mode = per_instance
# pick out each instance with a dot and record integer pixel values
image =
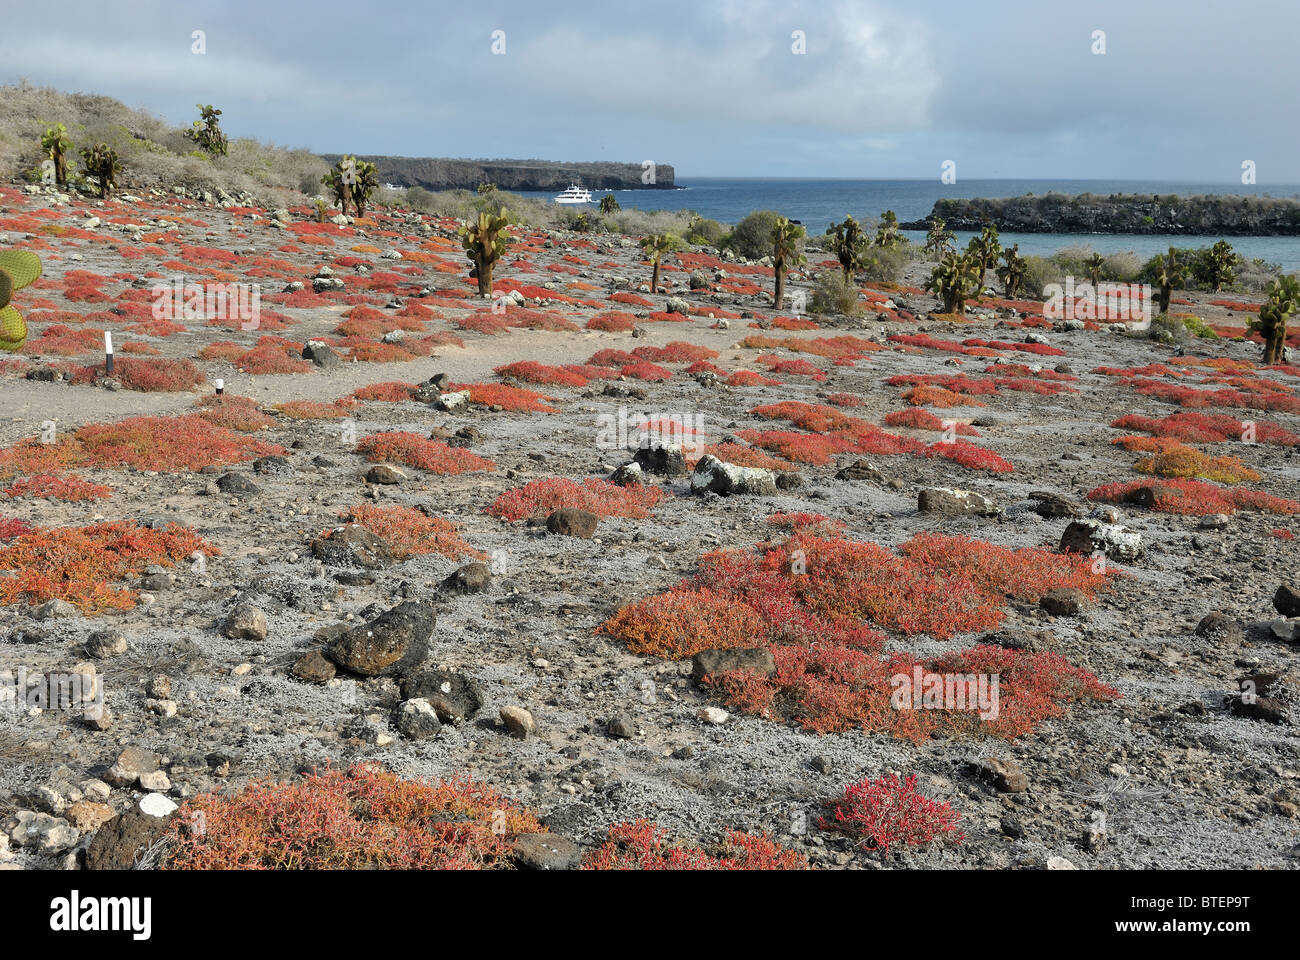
(1008, 88)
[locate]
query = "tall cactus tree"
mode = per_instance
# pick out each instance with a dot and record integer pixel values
(955, 280)
(56, 145)
(887, 234)
(1222, 263)
(367, 182)
(101, 163)
(985, 249)
(1283, 301)
(1012, 270)
(848, 243)
(1169, 273)
(18, 269)
(609, 204)
(1093, 265)
(939, 240)
(485, 243)
(206, 131)
(785, 253)
(655, 246)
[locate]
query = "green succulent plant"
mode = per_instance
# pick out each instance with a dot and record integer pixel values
(1170, 272)
(101, 162)
(485, 242)
(785, 253)
(956, 279)
(56, 145)
(939, 239)
(1283, 301)
(609, 204)
(1012, 270)
(849, 244)
(887, 234)
(1093, 265)
(18, 269)
(985, 249)
(206, 131)
(1222, 261)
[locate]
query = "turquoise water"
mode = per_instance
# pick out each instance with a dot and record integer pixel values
(818, 203)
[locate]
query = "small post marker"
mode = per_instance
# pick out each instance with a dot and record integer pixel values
(221, 387)
(108, 352)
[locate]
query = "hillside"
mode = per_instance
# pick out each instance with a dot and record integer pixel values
(518, 175)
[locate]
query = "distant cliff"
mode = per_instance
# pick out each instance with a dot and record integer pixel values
(439, 174)
(1122, 213)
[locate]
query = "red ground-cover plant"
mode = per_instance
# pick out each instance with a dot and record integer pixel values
(310, 410)
(155, 375)
(45, 486)
(677, 351)
(811, 448)
(928, 396)
(413, 450)
(917, 419)
(1191, 497)
(272, 355)
(1186, 396)
(641, 370)
(970, 456)
(12, 528)
(366, 818)
(642, 845)
(506, 397)
(530, 371)
(890, 812)
(410, 532)
(953, 382)
(80, 564)
(605, 499)
(389, 391)
(612, 322)
(234, 413)
(743, 456)
(1207, 428)
(817, 601)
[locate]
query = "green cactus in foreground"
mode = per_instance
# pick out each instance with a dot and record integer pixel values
(887, 234)
(1170, 273)
(56, 145)
(609, 204)
(955, 280)
(366, 184)
(1283, 301)
(985, 249)
(18, 269)
(785, 253)
(101, 163)
(485, 243)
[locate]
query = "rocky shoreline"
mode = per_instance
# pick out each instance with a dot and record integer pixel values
(434, 173)
(1231, 216)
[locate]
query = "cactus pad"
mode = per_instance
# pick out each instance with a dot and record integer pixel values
(13, 329)
(23, 266)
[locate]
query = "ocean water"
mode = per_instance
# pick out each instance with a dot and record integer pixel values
(818, 203)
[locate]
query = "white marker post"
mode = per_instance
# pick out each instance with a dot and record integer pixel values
(108, 352)
(221, 387)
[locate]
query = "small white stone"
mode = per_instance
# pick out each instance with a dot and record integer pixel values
(714, 715)
(156, 805)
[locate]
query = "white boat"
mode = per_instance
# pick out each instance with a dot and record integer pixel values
(575, 194)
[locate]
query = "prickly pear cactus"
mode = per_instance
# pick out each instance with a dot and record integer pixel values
(18, 268)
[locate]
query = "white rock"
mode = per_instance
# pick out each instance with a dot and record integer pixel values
(156, 805)
(714, 715)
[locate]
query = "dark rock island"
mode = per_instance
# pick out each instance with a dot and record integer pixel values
(1213, 215)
